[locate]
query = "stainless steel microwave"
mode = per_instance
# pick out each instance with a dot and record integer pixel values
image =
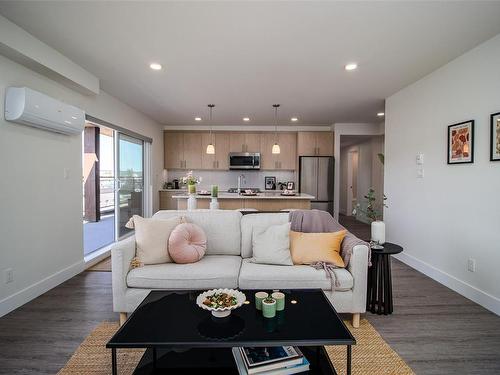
(244, 160)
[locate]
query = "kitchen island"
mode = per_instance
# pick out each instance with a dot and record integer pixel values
(264, 201)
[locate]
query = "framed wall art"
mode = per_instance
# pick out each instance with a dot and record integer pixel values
(495, 137)
(461, 143)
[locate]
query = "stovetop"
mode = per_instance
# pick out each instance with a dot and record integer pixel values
(235, 190)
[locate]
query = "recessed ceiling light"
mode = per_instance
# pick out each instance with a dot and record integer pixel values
(246, 118)
(155, 66)
(197, 118)
(351, 66)
(380, 114)
(294, 119)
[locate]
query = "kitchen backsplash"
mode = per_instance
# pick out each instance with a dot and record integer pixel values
(229, 179)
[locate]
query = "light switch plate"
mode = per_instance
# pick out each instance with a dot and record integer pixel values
(420, 159)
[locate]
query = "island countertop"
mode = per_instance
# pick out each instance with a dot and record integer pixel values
(262, 195)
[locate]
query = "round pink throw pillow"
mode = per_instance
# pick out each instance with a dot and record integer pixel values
(187, 243)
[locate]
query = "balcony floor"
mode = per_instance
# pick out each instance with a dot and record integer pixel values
(98, 234)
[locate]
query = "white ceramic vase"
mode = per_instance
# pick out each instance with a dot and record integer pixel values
(378, 231)
(214, 204)
(191, 202)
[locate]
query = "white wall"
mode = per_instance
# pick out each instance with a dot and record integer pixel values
(41, 212)
(453, 213)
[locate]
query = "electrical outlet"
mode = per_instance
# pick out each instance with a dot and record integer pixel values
(8, 275)
(471, 265)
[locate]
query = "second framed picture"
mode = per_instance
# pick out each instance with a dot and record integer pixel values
(461, 143)
(495, 137)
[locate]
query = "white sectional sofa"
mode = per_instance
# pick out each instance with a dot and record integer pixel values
(227, 263)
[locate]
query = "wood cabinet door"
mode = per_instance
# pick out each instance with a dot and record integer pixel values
(252, 142)
(207, 160)
(166, 200)
(324, 143)
(306, 143)
(222, 141)
(288, 146)
(236, 142)
(192, 150)
(173, 147)
(268, 160)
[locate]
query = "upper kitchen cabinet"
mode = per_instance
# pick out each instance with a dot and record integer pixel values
(173, 146)
(315, 143)
(182, 150)
(219, 160)
(287, 157)
(192, 150)
(244, 142)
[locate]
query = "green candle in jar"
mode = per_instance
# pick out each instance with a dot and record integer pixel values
(215, 191)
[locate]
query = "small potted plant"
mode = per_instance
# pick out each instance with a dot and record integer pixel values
(191, 182)
(374, 215)
(269, 307)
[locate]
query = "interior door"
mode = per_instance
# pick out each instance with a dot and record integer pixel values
(130, 180)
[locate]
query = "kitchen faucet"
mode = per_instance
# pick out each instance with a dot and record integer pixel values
(241, 178)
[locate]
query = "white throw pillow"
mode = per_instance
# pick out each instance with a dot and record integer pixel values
(151, 238)
(271, 245)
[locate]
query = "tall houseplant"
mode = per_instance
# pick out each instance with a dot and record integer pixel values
(373, 212)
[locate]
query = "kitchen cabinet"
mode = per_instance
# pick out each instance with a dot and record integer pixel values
(173, 146)
(166, 200)
(286, 159)
(182, 150)
(315, 143)
(244, 142)
(192, 150)
(219, 160)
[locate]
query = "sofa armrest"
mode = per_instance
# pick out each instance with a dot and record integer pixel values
(358, 267)
(121, 256)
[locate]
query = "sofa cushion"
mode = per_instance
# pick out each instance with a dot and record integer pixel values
(212, 271)
(265, 276)
(271, 245)
(221, 227)
(187, 243)
(261, 220)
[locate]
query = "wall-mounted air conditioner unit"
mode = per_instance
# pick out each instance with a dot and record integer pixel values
(29, 107)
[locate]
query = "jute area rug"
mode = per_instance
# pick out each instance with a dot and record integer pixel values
(371, 355)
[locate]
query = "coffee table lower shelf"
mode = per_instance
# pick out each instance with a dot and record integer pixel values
(218, 360)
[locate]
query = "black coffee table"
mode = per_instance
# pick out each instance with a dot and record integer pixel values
(181, 338)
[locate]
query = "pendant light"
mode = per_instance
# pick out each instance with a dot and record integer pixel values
(276, 146)
(211, 147)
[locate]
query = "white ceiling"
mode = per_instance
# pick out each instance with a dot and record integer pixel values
(245, 56)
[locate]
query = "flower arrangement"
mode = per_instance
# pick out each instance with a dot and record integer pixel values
(371, 212)
(189, 179)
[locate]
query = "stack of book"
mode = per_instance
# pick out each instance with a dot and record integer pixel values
(275, 360)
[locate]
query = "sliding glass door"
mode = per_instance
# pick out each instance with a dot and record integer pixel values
(129, 185)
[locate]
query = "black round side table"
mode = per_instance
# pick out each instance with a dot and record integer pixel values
(379, 294)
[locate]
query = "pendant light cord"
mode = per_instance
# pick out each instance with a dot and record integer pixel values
(276, 122)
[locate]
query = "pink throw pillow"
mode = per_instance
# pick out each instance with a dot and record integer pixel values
(187, 243)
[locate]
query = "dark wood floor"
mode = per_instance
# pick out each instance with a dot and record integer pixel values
(433, 328)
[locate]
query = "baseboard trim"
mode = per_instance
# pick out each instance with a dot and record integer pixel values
(484, 299)
(25, 295)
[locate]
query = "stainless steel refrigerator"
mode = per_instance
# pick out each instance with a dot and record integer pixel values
(316, 177)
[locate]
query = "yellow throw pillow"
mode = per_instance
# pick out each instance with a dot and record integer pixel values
(308, 248)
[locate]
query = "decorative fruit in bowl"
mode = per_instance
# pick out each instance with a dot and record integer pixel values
(220, 302)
